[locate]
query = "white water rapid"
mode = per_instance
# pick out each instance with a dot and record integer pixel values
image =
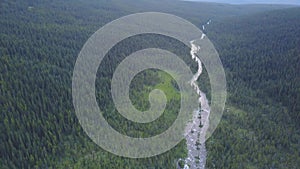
(195, 131)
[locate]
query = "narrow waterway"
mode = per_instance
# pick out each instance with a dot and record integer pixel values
(195, 131)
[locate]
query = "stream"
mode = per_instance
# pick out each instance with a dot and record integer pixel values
(195, 130)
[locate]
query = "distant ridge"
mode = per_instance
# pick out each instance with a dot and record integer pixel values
(277, 2)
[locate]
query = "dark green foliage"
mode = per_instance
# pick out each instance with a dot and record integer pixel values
(267, 48)
(261, 53)
(39, 44)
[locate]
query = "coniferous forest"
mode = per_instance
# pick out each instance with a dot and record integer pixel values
(259, 46)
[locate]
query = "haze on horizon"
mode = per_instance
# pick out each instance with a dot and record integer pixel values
(290, 2)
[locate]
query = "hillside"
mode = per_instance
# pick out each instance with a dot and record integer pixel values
(267, 50)
(260, 128)
(39, 44)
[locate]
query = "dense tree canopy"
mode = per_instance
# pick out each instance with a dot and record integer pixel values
(39, 44)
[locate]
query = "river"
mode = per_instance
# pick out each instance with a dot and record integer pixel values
(195, 130)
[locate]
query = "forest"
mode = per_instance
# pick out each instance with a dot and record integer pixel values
(259, 47)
